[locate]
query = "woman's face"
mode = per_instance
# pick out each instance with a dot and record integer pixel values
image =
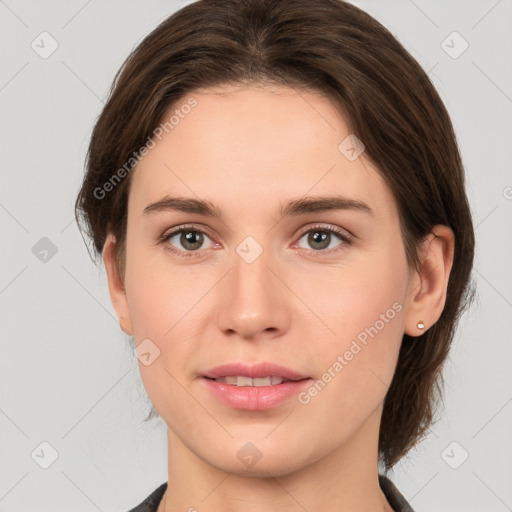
(264, 282)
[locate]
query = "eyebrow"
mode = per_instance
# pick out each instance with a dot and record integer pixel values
(295, 207)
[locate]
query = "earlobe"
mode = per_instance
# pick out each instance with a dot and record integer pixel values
(116, 285)
(427, 293)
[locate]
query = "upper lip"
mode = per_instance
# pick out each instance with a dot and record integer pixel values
(264, 369)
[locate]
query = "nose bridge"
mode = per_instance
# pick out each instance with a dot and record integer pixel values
(251, 301)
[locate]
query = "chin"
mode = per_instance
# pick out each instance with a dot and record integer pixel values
(268, 469)
(253, 462)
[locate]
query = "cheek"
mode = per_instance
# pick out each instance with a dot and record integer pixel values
(363, 306)
(358, 363)
(167, 306)
(159, 296)
(163, 307)
(350, 299)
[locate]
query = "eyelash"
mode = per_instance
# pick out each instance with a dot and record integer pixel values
(347, 239)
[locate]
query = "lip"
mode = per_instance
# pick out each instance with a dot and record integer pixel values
(264, 369)
(255, 398)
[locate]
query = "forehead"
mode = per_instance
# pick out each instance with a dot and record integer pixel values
(243, 145)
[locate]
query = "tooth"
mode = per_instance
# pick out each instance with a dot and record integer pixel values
(243, 381)
(261, 381)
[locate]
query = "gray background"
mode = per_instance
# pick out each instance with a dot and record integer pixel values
(68, 377)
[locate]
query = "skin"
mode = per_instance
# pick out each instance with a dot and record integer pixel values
(248, 150)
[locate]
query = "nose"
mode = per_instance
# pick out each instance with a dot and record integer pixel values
(253, 302)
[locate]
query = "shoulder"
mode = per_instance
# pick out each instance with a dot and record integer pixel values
(393, 495)
(150, 504)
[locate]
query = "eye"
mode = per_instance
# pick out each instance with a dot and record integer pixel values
(185, 241)
(321, 238)
(188, 241)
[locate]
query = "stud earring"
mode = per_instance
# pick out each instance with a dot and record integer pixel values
(420, 325)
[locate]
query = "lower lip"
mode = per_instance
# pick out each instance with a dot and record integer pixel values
(255, 398)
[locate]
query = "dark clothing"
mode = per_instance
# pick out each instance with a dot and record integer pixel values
(150, 504)
(396, 500)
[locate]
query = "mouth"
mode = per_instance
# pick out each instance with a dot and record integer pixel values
(257, 387)
(260, 374)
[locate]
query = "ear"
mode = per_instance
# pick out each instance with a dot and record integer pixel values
(116, 285)
(427, 291)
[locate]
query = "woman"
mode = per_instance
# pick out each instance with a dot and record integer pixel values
(278, 197)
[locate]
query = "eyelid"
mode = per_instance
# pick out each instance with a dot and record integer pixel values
(341, 232)
(183, 227)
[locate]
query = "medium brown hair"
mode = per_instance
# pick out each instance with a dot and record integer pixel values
(333, 48)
